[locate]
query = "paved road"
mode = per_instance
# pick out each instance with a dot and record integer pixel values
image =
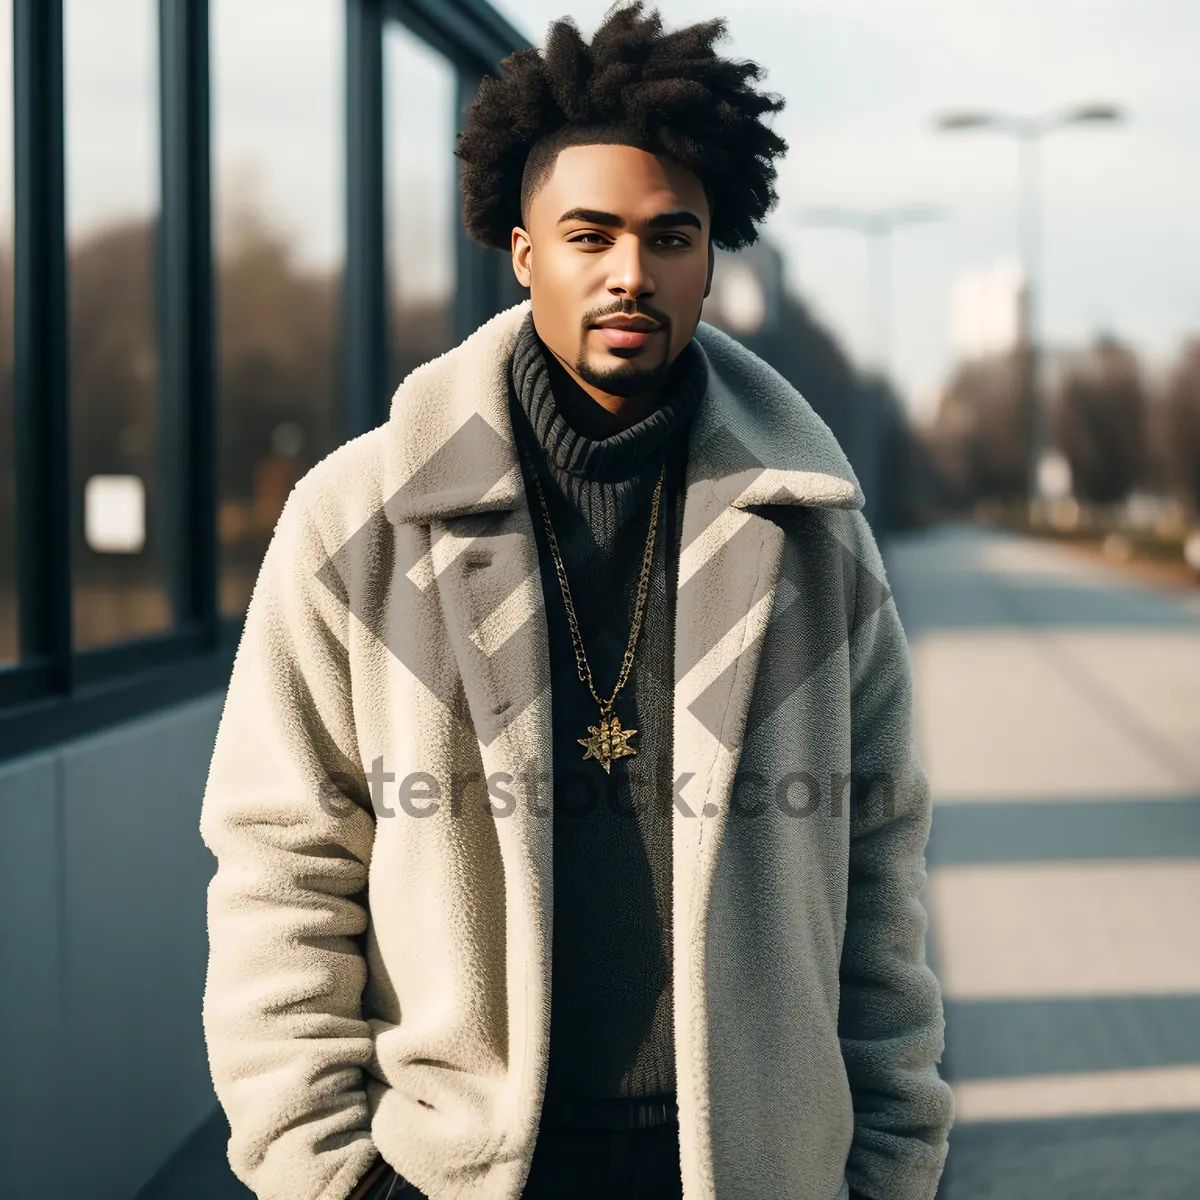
(1058, 716)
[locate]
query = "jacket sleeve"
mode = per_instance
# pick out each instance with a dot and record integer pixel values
(891, 1021)
(283, 813)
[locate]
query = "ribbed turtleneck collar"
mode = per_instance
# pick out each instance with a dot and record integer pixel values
(582, 441)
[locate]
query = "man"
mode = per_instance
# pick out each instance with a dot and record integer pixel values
(569, 827)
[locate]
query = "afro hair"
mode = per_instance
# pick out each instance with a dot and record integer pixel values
(667, 93)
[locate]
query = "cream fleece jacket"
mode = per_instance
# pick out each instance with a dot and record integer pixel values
(380, 932)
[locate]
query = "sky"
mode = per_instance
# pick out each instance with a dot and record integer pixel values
(1120, 235)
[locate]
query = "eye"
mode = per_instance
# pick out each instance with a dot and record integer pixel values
(679, 242)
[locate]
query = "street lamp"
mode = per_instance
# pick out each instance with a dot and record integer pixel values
(1029, 132)
(877, 226)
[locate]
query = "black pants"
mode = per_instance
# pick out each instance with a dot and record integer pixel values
(586, 1164)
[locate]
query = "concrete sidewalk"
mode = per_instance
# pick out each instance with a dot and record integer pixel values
(1058, 716)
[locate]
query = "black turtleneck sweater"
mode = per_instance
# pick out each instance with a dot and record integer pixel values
(611, 1025)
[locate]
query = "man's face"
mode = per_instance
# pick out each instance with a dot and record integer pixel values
(615, 224)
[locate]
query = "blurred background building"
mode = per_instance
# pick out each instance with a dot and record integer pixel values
(228, 230)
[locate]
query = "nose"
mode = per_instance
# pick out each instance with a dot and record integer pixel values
(628, 276)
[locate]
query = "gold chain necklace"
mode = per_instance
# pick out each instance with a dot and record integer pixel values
(608, 740)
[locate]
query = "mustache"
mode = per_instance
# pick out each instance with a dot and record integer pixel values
(627, 308)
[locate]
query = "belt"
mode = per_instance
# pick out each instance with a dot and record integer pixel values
(586, 1112)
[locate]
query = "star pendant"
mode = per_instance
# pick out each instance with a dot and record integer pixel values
(608, 741)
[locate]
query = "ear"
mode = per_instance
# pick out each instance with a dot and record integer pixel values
(712, 259)
(522, 248)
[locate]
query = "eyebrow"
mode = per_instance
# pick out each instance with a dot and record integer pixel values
(661, 221)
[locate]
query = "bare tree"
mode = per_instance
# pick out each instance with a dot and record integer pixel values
(277, 340)
(1100, 422)
(979, 441)
(1179, 428)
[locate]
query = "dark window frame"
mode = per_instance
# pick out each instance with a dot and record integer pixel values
(54, 693)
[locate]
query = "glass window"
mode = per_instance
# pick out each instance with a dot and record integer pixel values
(278, 159)
(422, 214)
(9, 628)
(112, 165)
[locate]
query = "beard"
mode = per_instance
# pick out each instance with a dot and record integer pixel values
(630, 380)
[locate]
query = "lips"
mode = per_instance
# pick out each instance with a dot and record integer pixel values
(628, 339)
(627, 333)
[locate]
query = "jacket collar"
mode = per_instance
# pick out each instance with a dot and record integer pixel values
(451, 451)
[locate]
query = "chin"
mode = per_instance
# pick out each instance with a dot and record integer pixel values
(628, 380)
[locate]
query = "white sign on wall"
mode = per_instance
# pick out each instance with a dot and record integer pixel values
(114, 514)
